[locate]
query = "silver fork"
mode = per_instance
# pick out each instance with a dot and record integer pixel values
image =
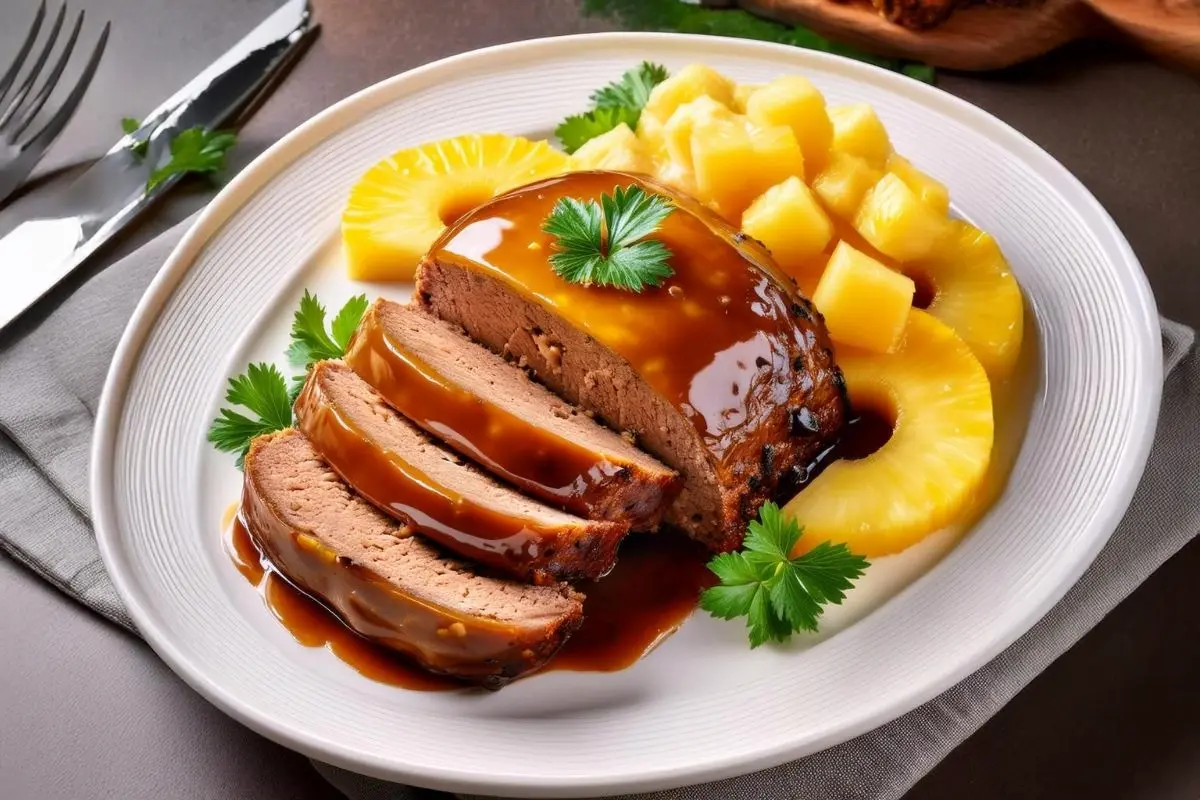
(19, 152)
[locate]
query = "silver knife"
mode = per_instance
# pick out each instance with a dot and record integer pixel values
(39, 253)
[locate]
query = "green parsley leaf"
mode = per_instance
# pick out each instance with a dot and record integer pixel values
(130, 125)
(311, 342)
(603, 243)
(779, 594)
(633, 90)
(194, 150)
(261, 390)
(574, 132)
(616, 103)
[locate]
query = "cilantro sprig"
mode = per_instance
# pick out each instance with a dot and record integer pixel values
(312, 342)
(614, 104)
(777, 593)
(262, 390)
(195, 150)
(604, 243)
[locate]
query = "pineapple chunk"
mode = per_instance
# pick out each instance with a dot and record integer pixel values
(694, 80)
(677, 133)
(795, 102)
(619, 149)
(930, 470)
(929, 189)
(864, 303)
(977, 296)
(403, 203)
(741, 95)
(897, 223)
(844, 182)
(650, 131)
(858, 131)
(788, 219)
(735, 165)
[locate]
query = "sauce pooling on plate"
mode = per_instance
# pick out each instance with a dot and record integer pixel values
(651, 593)
(713, 339)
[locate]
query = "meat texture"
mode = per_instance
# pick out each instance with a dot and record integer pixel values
(392, 463)
(725, 372)
(389, 585)
(491, 412)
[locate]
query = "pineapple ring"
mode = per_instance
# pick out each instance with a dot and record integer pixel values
(403, 203)
(976, 294)
(927, 473)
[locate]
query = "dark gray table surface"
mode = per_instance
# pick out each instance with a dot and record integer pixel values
(87, 711)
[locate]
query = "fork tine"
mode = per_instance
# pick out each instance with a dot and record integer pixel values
(51, 80)
(15, 68)
(50, 131)
(27, 84)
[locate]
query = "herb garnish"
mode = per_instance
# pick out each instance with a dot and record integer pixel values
(777, 593)
(194, 150)
(311, 342)
(616, 103)
(130, 125)
(603, 243)
(262, 389)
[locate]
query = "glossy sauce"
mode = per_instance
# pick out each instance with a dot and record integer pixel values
(313, 625)
(626, 615)
(713, 340)
(390, 481)
(645, 599)
(527, 455)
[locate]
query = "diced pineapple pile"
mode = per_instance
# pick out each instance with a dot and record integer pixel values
(854, 223)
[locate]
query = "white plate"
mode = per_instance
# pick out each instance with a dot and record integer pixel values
(224, 297)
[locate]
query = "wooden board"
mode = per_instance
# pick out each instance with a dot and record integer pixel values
(982, 38)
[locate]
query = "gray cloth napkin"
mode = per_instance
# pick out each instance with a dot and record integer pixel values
(51, 375)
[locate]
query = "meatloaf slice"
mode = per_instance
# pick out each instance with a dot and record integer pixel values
(390, 462)
(491, 412)
(725, 371)
(390, 586)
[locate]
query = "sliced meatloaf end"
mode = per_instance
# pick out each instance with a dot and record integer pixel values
(724, 372)
(390, 586)
(392, 463)
(491, 412)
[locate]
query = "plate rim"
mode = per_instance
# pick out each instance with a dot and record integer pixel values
(343, 113)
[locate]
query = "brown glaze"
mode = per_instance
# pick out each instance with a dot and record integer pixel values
(652, 591)
(867, 432)
(644, 600)
(726, 346)
(313, 625)
(530, 548)
(441, 636)
(704, 340)
(582, 480)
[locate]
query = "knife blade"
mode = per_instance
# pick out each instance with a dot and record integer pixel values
(39, 253)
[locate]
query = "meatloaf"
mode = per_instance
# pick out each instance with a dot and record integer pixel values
(724, 372)
(392, 463)
(491, 412)
(392, 586)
